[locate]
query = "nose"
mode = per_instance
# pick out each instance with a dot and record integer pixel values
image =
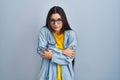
(55, 23)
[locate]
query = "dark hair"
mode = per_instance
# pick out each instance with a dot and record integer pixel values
(60, 11)
(66, 26)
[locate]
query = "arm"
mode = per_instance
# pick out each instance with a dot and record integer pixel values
(42, 41)
(57, 55)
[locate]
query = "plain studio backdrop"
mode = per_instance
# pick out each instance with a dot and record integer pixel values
(96, 22)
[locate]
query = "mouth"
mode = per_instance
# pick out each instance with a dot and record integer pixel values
(55, 27)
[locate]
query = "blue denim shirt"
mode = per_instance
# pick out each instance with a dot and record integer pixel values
(48, 66)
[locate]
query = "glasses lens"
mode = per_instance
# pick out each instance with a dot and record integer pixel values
(58, 21)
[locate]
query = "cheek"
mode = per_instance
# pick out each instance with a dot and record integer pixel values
(61, 25)
(51, 25)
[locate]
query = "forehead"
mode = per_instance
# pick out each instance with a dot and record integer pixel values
(55, 16)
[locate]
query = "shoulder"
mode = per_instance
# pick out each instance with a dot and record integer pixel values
(44, 28)
(70, 32)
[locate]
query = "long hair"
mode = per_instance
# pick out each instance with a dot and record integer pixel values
(60, 11)
(66, 26)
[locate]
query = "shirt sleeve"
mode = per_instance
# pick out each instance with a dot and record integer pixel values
(42, 41)
(58, 57)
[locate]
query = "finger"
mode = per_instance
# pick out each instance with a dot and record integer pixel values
(47, 50)
(43, 50)
(73, 53)
(71, 47)
(44, 57)
(43, 54)
(73, 50)
(72, 56)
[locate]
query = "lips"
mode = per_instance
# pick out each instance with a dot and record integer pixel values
(55, 27)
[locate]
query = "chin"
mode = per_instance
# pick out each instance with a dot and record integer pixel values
(56, 30)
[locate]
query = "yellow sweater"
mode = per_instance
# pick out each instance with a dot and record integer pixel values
(59, 39)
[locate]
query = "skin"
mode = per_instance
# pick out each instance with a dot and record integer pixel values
(57, 29)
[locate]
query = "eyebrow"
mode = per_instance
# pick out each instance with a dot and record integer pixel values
(56, 19)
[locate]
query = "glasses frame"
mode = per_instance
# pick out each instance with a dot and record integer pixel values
(58, 21)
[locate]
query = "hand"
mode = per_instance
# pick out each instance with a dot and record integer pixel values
(69, 52)
(47, 54)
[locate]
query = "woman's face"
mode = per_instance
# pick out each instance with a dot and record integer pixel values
(56, 22)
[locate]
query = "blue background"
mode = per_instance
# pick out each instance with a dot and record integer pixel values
(96, 22)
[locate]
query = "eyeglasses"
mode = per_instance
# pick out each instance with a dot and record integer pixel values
(58, 21)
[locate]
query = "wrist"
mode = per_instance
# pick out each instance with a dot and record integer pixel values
(63, 52)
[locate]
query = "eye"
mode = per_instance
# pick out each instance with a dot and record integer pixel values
(53, 20)
(59, 19)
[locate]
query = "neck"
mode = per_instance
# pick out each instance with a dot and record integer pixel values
(57, 32)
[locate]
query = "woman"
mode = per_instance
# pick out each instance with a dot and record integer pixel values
(56, 45)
